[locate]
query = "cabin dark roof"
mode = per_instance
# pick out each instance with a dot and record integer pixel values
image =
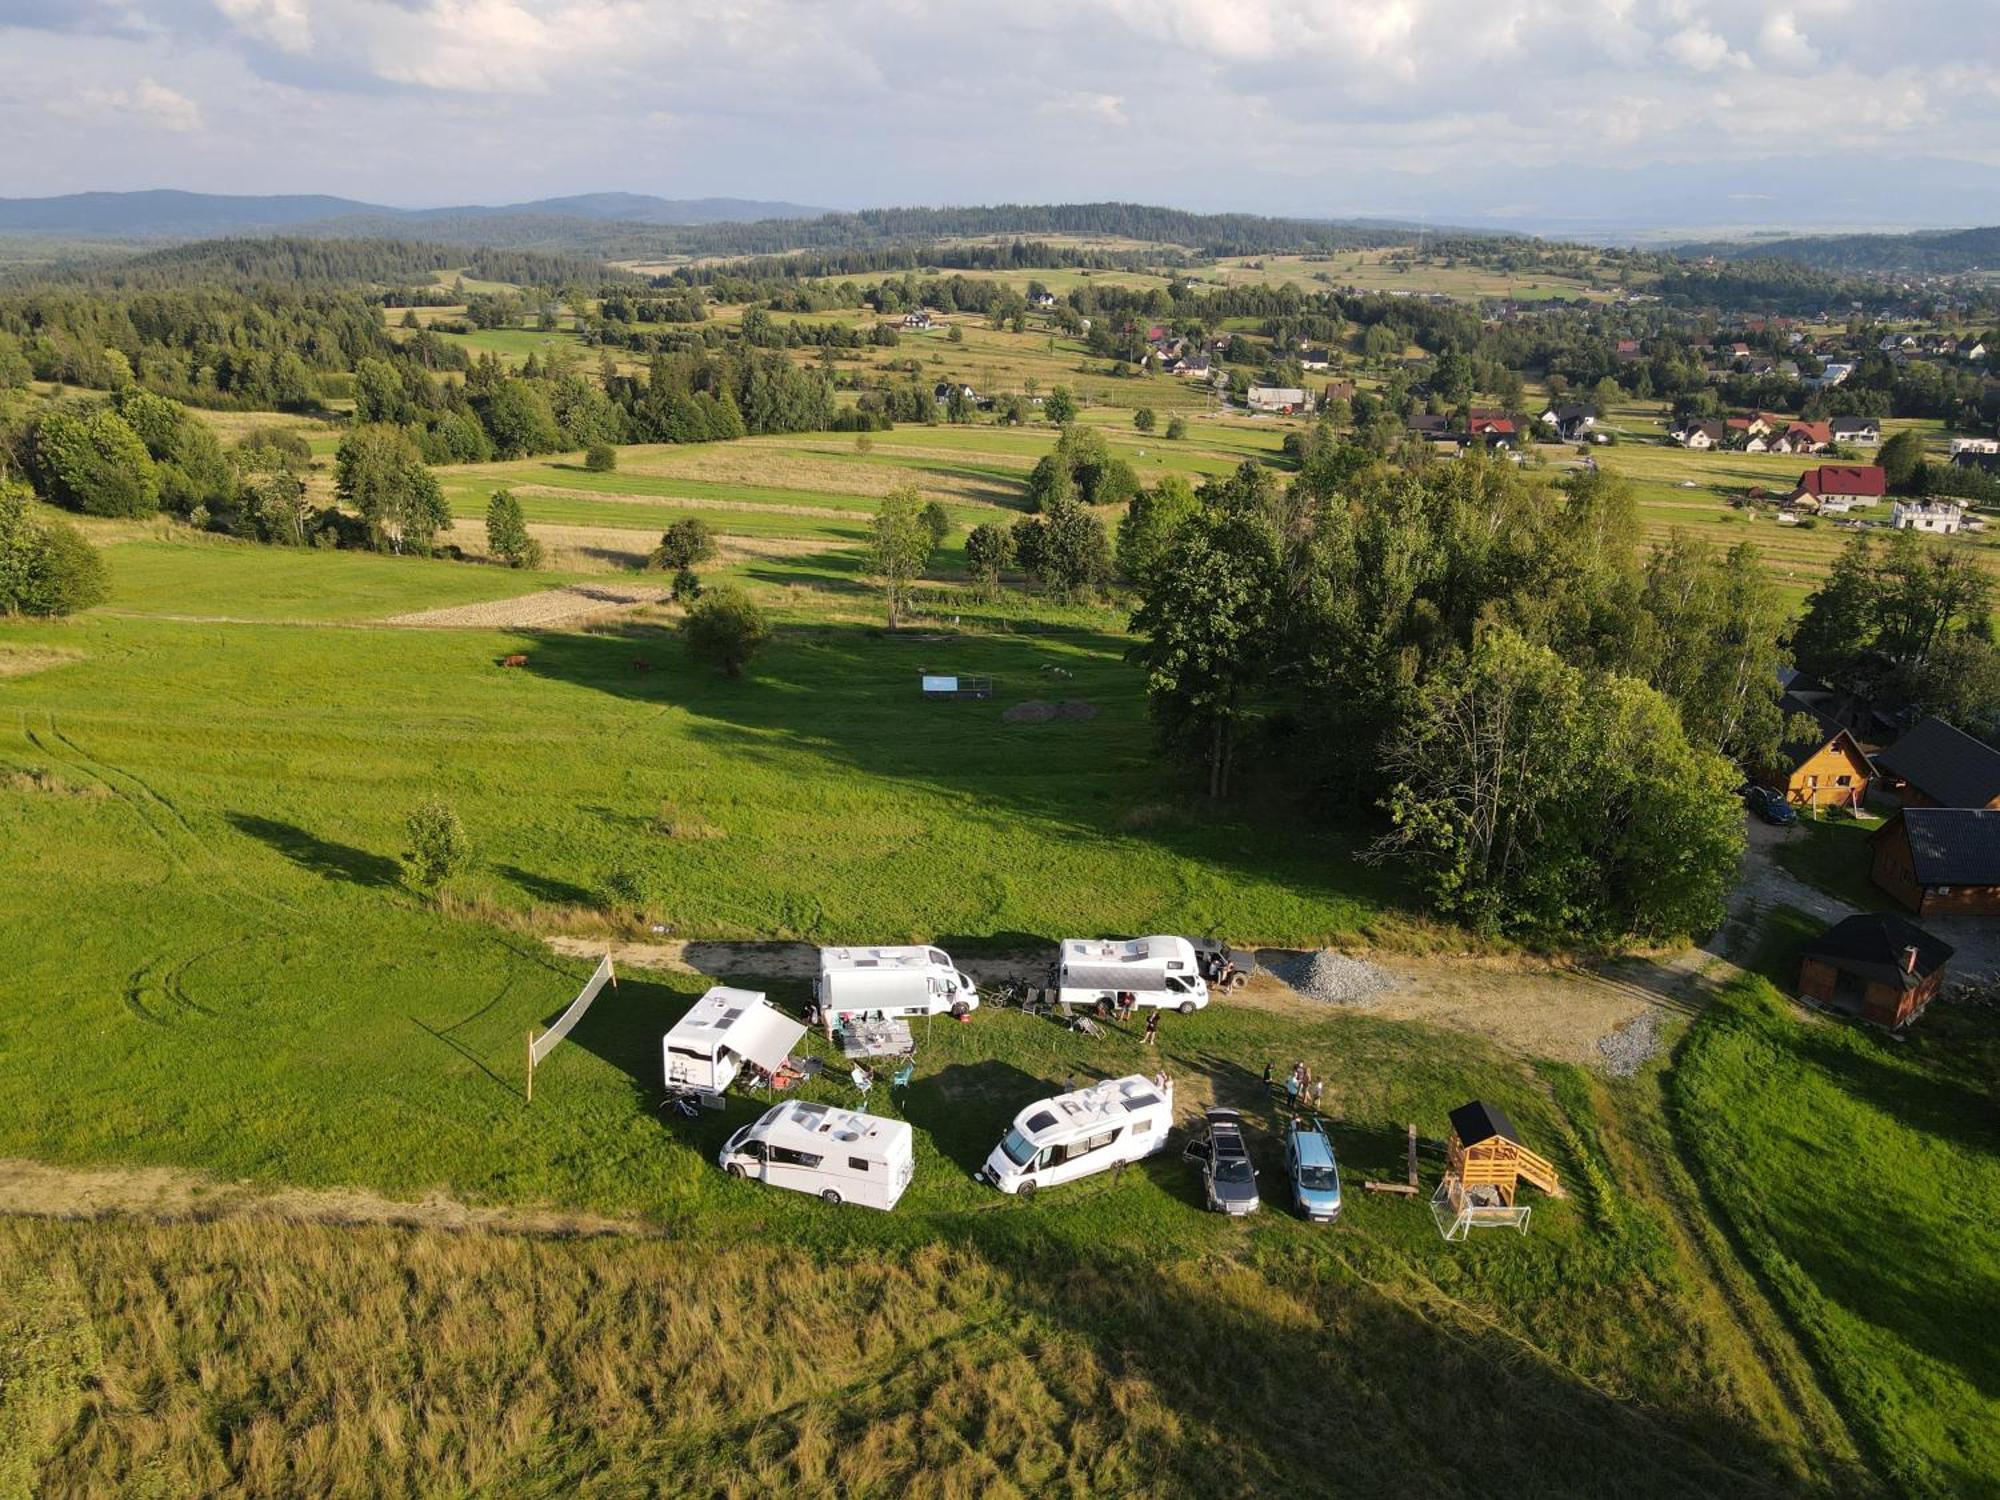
(1480, 1121)
(1947, 765)
(1873, 946)
(1953, 845)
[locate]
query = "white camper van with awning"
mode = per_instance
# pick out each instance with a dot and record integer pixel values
(1156, 971)
(725, 1031)
(1076, 1134)
(911, 981)
(841, 1154)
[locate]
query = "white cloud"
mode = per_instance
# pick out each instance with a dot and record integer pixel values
(1783, 44)
(1697, 47)
(147, 102)
(1100, 109)
(285, 24)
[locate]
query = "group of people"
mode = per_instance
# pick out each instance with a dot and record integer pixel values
(1299, 1085)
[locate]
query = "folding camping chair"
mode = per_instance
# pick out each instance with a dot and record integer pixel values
(903, 1076)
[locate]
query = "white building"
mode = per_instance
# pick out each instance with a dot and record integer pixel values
(1975, 445)
(1276, 398)
(1940, 516)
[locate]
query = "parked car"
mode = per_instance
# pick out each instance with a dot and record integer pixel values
(1770, 805)
(1227, 1174)
(1315, 1174)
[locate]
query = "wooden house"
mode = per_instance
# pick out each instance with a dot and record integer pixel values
(1485, 1156)
(1938, 765)
(1940, 860)
(1828, 768)
(1877, 967)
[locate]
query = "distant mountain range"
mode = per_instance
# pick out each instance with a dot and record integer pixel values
(168, 214)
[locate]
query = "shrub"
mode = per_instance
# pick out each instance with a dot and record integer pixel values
(937, 520)
(438, 848)
(687, 586)
(600, 458)
(725, 630)
(1144, 420)
(627, 888)
(46, 567)
(684, 545)
(1176, 428)
(94, 462)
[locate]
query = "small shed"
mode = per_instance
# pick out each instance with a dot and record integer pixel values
(1939, 765)
(1875, 966)
(1940, 861)
(1485, 1152)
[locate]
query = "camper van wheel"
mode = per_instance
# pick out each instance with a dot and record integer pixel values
(736, 1169)
(829, 1196)
(1025, 1190)
(1187, 1007)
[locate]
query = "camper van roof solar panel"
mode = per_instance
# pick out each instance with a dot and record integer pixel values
(1140, 1101)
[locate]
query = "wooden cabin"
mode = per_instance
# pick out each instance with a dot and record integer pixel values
(1828, 769)
(1937, 765)
(1878, 967)
(1940, 861)
(1485, 1153)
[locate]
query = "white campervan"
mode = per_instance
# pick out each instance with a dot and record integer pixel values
(1158, 971)
(1074, 1135)
(724, 1030)
(841, 1154)
(920, 981)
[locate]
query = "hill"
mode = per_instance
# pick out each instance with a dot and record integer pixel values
(1929, 252)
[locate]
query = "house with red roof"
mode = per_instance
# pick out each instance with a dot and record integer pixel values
(1839, 487)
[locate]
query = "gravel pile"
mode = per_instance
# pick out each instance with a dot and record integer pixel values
(1627, 1049)
(1330, 978)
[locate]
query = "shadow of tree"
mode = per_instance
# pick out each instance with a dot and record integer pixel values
(320, 856)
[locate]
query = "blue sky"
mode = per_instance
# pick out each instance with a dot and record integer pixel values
(1547, 113)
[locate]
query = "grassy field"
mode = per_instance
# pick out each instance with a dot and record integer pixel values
(1857, 1174)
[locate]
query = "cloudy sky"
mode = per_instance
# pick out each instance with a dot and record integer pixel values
(1549, 113)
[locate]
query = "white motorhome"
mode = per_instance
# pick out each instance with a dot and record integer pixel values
(1073, 1135)
(841, 1154)
(1156, 971)
(919, 981)
(725, 1030)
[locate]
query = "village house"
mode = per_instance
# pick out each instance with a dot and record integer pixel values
(1571, 420)
(1937, 764)
(1831, 374)
(1275, 398)
(1042, 301)
(1702, 435)
(1940, 860)
(1827, 768)
(1838, 487)
(920, 321)
(1315, 359)
(1877, 967)
(1939, 517)
(1974, 445)
(1859, 432)
(1802, 437)
(1340, 390)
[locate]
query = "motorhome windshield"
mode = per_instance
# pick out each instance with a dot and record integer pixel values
(1020, 1150)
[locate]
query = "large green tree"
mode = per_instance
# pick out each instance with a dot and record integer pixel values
(46, 566)
(91, 460)
(1204, 628)
(378, 472)
(900, 545)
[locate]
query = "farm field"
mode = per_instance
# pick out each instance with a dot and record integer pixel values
(1376, 271)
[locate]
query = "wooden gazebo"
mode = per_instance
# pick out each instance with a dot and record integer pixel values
(1485, 1163)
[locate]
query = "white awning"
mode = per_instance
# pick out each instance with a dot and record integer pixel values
(764, 1037)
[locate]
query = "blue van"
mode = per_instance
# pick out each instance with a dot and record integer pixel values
(1315, 1175)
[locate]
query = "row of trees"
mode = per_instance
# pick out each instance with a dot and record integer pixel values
(1546, 717)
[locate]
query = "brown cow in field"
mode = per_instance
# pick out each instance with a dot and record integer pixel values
(515, 661)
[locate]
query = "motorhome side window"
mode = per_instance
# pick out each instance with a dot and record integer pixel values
(1141, 1126)
(689, 1052)
(1082, 1148)
(858, 1163)
(791, 1158)
(1179, 987)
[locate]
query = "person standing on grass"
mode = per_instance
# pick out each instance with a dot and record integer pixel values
(1292, 1089)
(1267, 1078)
(1319, 1089)
(1153, 1029)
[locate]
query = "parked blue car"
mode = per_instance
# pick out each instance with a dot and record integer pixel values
(1315, 1175)
(1770, 805)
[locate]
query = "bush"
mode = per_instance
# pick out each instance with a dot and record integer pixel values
(1176, 428)
(684, 545)
(628, 888)
(687, 586)
(600, 458)
(46, 567)
(725, 630)
(1144, 420)
(937, 520)
(94, 462)
(438, 845)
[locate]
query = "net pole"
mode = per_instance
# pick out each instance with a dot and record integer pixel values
(531, 1065)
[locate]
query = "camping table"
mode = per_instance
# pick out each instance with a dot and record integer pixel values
(877, 1039)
